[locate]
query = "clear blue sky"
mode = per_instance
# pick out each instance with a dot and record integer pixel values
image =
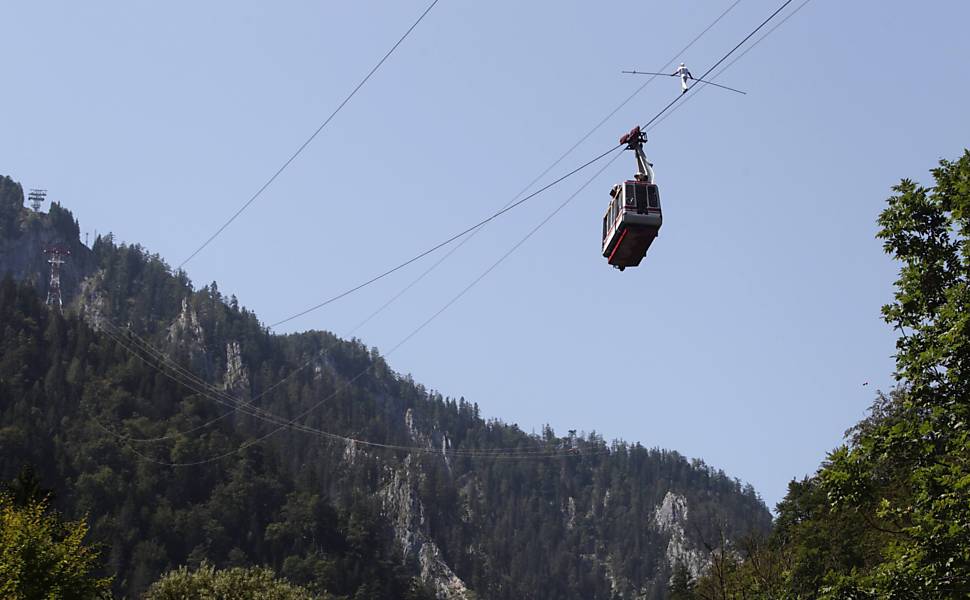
(743, 339)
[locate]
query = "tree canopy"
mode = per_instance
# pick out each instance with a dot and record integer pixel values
(42, 556)
(908, 472)
(887, 515)
(237, 583)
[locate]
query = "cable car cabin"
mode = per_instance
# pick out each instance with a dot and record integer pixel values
(631, 223)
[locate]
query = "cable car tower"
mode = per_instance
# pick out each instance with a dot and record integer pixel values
(36, 198)
(56, 255)
(633, 218)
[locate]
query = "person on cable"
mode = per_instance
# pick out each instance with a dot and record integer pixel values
(684, 76)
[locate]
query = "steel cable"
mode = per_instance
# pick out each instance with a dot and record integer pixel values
(303, 146)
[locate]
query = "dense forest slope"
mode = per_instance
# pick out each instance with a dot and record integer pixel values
(158, 411)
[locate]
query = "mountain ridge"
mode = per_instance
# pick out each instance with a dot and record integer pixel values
(459, 519)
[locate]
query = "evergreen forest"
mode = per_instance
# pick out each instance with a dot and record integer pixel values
(190, 446)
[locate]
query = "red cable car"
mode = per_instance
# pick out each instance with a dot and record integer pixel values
(633, 217)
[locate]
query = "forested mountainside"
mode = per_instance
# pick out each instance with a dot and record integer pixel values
(157, 412)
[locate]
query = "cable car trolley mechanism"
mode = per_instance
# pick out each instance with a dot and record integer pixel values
(633, 217)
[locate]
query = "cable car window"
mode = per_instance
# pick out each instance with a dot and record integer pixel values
(630, 194)
(654, 196)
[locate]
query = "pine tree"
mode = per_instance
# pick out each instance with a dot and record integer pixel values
(681, 583)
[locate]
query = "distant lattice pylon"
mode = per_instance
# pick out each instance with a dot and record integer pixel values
(55, 257)
(36, 198)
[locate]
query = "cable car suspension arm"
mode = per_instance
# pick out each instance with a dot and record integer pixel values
(634, 141)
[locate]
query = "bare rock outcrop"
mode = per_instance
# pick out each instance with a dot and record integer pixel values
(670, 518)
(236, 379)
(405, 511)
(187, 338)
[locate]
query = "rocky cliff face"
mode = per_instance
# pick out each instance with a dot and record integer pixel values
(406, 514)
(186, 339)
(669, 526)
(236, 379)
(670, 518)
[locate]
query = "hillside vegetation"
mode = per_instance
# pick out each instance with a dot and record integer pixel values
(151, 409)
(887, 515)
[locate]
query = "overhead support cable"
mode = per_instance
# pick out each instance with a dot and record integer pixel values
(546, 171)
(569, 199)
(736, 59)
(306, 143)
(293, 423)
(180, 373)
(722, 59)
(127, 340)
(516, 199)
(444, 243)
(526, 198)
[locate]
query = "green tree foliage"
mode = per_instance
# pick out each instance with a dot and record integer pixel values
(64, 390)
(63, 223)
(238, 583)
(11, 207)
(44, 557)
(909, 472)
(681, 583)
(888, 514)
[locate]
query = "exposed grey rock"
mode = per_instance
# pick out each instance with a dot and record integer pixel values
(434, 571)
(672, 512)
(92, 303)
(409, 423)
(571, 513)
(350, 452)
(671, 518)
(404, 510)
(237, 377)
(185, 336)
